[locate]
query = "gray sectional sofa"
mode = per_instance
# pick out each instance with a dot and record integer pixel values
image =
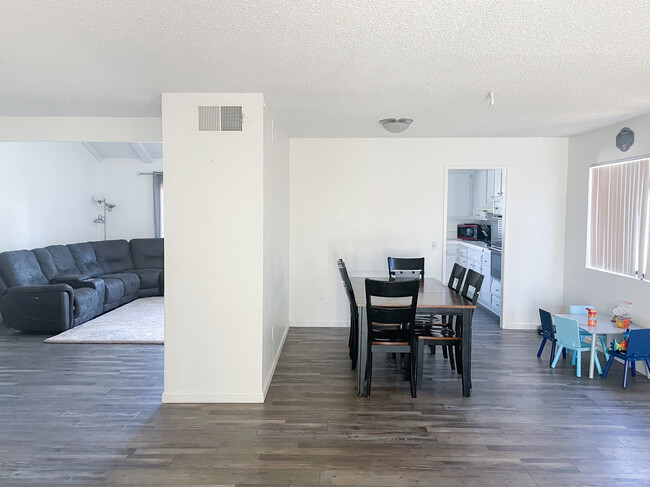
(55, 288)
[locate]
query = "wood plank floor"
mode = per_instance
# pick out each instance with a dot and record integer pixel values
(91, 415)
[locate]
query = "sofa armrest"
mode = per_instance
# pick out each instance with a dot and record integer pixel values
(38, 308)
(50, 288)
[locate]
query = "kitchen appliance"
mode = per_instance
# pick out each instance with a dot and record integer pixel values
(473, 231)
(495, 263)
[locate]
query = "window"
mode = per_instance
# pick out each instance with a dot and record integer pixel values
(619, 218)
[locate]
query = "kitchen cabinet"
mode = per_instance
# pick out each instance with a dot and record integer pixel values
(460, 193)
(451, 257)
(477, 258)
(480, 195)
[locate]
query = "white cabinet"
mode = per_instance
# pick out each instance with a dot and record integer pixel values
(450, 258)
(480, 193)
(460, 193)
(477, 258)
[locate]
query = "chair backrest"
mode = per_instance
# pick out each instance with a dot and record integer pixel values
(638, 344)
(547, 324)
(580, 309)
(349, 291)
(405, 264)
(456, 277)
(567, 332)
(392, 302)
(472, 287)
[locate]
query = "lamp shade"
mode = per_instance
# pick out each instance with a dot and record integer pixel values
(396, 125)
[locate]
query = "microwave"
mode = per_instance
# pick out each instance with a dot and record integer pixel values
(473, 231)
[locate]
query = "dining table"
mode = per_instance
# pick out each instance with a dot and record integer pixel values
(435, 298)
(604, 326)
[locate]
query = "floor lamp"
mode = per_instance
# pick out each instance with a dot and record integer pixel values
(101, 219)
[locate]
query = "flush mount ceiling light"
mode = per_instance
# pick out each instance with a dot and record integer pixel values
(396, 125)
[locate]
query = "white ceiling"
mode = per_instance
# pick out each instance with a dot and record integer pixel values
(334, 68)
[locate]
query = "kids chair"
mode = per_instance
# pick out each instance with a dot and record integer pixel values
(638, 348)
(548, 333)
(568, 337)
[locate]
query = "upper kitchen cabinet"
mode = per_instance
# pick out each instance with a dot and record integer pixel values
(460, 194)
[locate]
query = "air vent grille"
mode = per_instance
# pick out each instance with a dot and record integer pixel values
(231, 119)
(220, 119)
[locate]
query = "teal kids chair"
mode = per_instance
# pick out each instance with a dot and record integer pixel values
(567, 334)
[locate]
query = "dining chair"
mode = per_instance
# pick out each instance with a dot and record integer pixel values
(638, 348)
(428, 320)
(568, 337)
(385, 306)
(353, 339)
(548, 333)
(407, 266)
(581, 309)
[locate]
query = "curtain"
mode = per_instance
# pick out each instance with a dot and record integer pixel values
(619, 218)
(158, 204)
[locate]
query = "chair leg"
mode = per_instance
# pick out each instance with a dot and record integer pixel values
(627, 366)
(604, 345)
(573, 357)
(564, 353)
(413, 375)
(541, 347)
(432, 348)
(368, 372)
(553, 346)
(633, 368)
(452, 362)
(444, 351)
(578, 362)
(459, 360)
(610, 360)
(420, 364)
(597, 362)
(557, 356)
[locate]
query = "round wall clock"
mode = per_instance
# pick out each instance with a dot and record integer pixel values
(625, 139)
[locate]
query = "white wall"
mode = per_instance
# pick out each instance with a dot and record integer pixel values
(276, 243)
(117, 180)
(365, 199)
(582, 285)
(213, 253)
(47, 195)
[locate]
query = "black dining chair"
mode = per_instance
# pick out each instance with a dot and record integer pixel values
(455, 282)
(406, 267)
(391, 323)
(353, 340)
(450, 336)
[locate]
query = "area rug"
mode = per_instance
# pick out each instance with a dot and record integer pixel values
(141, 321)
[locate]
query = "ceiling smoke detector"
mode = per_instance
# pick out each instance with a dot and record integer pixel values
(396, 125)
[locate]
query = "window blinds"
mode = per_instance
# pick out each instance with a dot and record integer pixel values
(619, 211)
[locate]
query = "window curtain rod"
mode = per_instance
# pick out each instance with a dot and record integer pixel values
(149, 173)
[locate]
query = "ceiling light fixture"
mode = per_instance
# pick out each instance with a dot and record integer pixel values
(396, 125)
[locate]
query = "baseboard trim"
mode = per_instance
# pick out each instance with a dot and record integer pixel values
(319, 324)
(206, 397)
(269, 378)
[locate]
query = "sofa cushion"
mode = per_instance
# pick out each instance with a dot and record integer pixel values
(131, 281)
(114, 290)
(113, 255)
(86, 300)
(85, 259)
(149, 278)
(148, 253)
(63, 260)
(20, 268)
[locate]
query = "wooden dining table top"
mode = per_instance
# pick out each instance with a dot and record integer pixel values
(433, 294)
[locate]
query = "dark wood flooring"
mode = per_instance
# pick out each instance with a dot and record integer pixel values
(91, 415)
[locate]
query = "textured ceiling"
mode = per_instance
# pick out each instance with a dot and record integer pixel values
(334, 68)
